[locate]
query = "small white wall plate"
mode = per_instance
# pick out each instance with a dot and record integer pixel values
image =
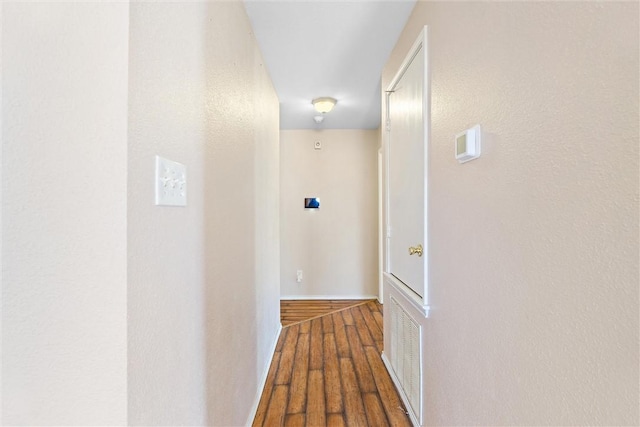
(171, 183)
(467, 144)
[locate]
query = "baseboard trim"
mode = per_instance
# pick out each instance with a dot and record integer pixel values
(403, 396)
(333, 297)
(263, 380)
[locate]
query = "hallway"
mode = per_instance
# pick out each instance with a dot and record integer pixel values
(119, 310)
(328, 371)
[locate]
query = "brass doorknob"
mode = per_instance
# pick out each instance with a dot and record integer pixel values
(415, 250)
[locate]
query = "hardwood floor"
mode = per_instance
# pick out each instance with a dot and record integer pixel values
(328, 372)
(294, 311)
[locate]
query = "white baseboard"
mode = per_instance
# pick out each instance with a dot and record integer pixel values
(403, 396)
(263, 380)
(336, 297)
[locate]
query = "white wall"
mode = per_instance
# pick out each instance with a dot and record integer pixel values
(93, 267)
(203, 279)
(1, 209)
(541, 326)
(336, 245)
(64, 254)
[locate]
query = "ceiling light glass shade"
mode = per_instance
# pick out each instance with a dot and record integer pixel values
(324, 105)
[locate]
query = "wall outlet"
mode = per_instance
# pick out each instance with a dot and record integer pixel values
(299, 276)
(171, 183)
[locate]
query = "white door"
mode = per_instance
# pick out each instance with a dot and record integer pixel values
(406, 174)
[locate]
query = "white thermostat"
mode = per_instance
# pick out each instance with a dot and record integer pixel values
(467, 144)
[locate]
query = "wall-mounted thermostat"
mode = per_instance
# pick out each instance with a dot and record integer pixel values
(468, 144)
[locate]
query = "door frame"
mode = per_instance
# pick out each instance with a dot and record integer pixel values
(381, 205)
(421, 303)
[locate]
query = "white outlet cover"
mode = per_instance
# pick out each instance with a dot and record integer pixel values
(171, 183)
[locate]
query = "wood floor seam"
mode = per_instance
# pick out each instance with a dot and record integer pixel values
(337, 310)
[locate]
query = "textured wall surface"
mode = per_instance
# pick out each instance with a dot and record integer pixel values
(64, 164)
(203, 279)
(540, 327)
(335, 246)
(1, 209)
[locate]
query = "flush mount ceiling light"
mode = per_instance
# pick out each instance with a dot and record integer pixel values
(324, 105)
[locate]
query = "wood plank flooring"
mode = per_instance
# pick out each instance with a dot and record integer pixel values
(294, 311)
(327, 371)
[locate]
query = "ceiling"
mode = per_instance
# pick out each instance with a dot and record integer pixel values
(322, 48)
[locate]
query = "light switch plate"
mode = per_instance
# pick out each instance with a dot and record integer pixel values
(171, 183)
